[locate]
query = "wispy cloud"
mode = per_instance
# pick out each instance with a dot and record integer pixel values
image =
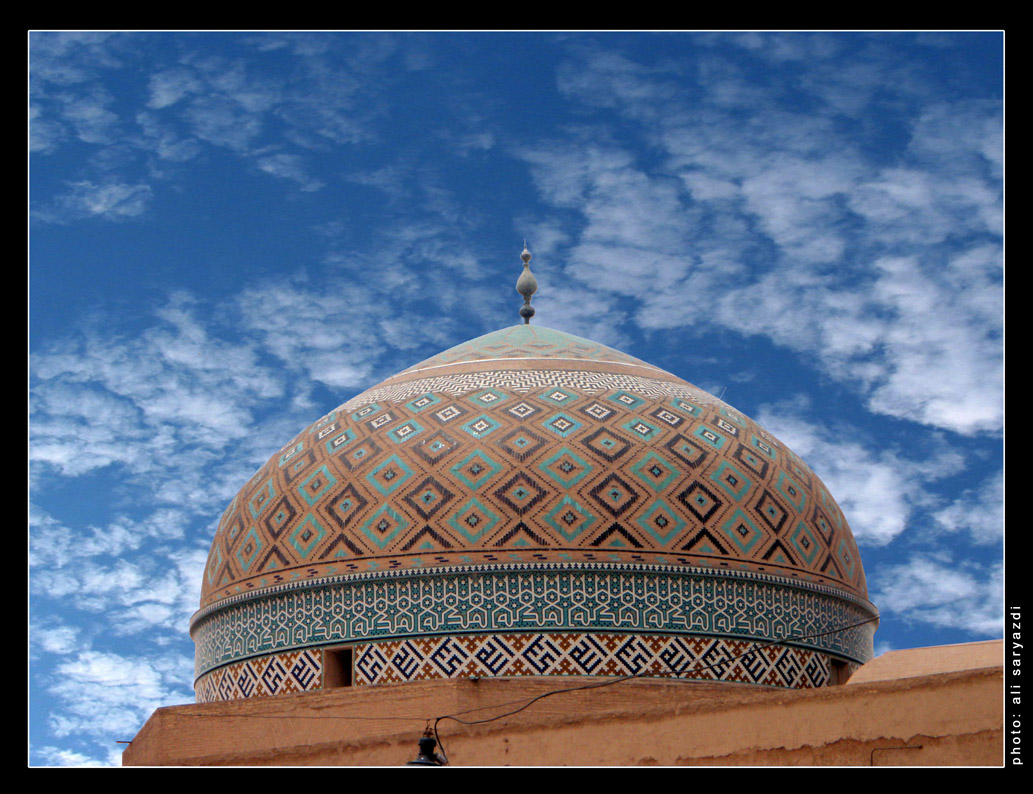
(109, 200)
(88, 114)
(173, 383)
(71, 57)
(977, 513)
(55, 639)
(289, 166)
(112, 694)
(223, 122)
(805, 193)
(59, 756)
(942, 593)
(169, 86)
(196, 100)
(162, 139)
(878, 486)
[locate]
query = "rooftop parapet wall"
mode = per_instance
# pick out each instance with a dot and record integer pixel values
(950, 718)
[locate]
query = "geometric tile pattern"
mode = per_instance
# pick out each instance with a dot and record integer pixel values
(353, 495)
(697, 658)
(277, 674)
(535, 654)
(527, 456)
(525, 342)
(546, 597)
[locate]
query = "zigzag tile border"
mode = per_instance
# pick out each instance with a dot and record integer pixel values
(503, 599)
(527, 342)
(525, 381)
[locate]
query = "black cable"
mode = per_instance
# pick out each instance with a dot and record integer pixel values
(611, 682)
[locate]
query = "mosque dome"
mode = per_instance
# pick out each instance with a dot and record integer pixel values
(530, 503)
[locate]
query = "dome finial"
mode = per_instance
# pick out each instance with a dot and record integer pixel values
(527, 286)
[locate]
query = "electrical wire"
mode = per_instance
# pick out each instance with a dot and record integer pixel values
(622, 679)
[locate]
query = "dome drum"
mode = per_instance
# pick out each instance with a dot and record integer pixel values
(542, 620)
(530, 492)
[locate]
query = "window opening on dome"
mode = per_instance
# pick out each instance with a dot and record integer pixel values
(337, 667)
(839, 672)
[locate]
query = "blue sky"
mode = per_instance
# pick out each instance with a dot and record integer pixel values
(232, 233)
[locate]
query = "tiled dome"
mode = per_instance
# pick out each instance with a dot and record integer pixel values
(530, 502)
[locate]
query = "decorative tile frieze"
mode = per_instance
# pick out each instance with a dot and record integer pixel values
(529, 599)
(576, 654)
(526, 654)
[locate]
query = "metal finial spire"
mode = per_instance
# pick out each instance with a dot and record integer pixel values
(527, 286)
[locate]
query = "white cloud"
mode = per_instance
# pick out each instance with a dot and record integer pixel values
(116, 539)
(101, 399)
(60, 639)
(88, 114)
(798, 202)
(808, 47)
(888, 275)
(44, 135)
(943, 594)
(139, 586)
(895, 335)
(941, 365)
(583, 312)
(977, 512)
(918, 206)
(289, 166)
(566, 173)
(222, 122)
(315, 330)
(707, 187)
(57, 756)
(169, 86)
(69, 57)
(110, 200)
(102, 693)
(882, 648)
(347, 331)
(161, 139)
(962, 138)
(878, 489)
(606, 78)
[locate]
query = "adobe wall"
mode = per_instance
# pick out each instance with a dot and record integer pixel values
(951, 718)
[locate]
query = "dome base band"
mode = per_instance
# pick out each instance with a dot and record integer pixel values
(536, 654)
(506, 600)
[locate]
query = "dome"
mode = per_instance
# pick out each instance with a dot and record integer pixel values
(530, 503)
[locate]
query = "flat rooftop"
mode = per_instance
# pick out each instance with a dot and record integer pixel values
(937, 659)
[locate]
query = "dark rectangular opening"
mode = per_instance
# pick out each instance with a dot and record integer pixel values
(337, 667)
(839, 672)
